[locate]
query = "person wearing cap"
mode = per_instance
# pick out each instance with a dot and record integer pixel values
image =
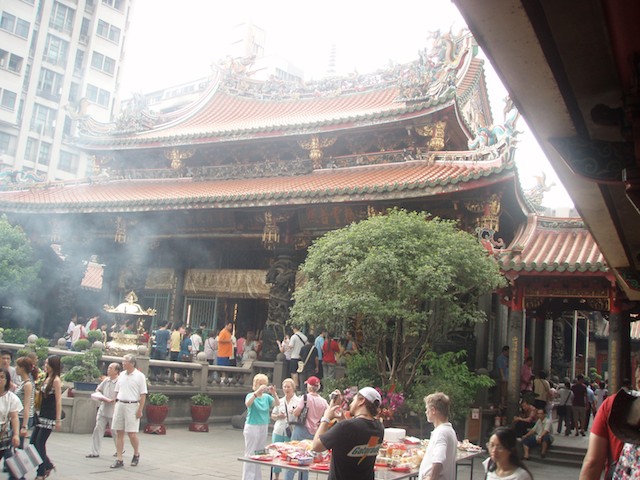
(316, 406)
(439, 461)
(354, 442)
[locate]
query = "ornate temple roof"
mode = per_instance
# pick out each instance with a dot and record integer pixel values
(237, 107)
(549, 244)
(414, 178)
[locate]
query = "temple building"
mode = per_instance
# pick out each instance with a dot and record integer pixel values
(206, 211)
(587, 124)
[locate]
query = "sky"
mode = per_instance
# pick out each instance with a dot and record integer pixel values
(175, 41)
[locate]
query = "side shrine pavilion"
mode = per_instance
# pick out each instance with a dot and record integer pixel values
(206, 212)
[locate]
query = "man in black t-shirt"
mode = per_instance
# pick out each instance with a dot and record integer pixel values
(355, 442)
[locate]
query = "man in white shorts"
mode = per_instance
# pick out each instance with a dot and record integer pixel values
(130, 397)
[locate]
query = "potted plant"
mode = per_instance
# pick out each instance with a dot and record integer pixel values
(83, 370)
(200, 412)
(157, 410)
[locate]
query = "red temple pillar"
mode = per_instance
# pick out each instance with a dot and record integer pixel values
(619, 346)
(516, 349)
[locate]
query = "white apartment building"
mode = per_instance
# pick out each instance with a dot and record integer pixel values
(59, 59)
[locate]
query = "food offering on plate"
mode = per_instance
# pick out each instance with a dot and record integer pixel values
(394, 454)
(411, 440)
(299, 460)
(383, 461)
(402, 467)
(297, 448)
(467, 446)
(263, 457)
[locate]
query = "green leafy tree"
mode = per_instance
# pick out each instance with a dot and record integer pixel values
(18, 267)
(402, 279)
(448, 373)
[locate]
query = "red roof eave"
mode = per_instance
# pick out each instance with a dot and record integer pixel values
(412, 179)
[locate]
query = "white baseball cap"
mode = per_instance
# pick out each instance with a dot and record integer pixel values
(371, 394)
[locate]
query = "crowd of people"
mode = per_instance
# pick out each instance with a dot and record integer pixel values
(30, 402)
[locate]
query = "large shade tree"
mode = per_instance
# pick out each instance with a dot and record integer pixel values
(18, 267)
(402, 280)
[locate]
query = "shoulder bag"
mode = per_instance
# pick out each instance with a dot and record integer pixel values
(302, 364)
(302, 418)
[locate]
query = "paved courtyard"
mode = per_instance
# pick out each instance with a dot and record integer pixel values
(187, 455)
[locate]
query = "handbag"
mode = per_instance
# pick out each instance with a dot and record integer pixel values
(22, 462)
(37, 403)
(302, 364)
(302, 418)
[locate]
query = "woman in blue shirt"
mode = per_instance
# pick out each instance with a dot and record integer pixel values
(259, 404)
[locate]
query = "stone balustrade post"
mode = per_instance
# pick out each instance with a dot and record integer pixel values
(202, 376)
(142, 364)
(278, 373)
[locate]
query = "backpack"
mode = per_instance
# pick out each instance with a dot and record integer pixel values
(628, 465)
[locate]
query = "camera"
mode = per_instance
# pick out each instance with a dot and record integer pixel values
(333, 397)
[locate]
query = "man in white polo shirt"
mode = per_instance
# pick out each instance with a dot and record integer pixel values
(131, 395)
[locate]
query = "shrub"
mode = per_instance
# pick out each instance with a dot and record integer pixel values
(201, 399)
(15, 335)
(83, 367)
(41, 349)
(448, 373)
(158, 399)
(94, 336)
(362, 369)
(81, 345)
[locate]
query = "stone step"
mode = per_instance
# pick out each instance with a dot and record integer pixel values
(561, 455)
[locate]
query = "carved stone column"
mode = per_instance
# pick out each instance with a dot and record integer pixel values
(282, 278)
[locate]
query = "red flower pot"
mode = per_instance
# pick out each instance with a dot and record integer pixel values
(200, 418)
(156, 415)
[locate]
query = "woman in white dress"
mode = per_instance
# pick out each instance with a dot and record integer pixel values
(503, 462)
(282, 415)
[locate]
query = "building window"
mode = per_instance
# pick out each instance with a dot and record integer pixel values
(104, 63)
(37, 151)
(62, 18)
(68, 162)
(108, 31)
(30, 149)
(84, 30)
(98, 95)
(15, 63)
(74, 90)
(55, 51)
(117, 4)
(7, 144)
(44, 155)
(50, 84)
(77, 66)
(43, 120)
(8, 99)
(14, 25)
